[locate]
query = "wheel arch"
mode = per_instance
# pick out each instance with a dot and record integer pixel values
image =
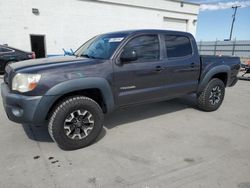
(97, 89)
(221, 72)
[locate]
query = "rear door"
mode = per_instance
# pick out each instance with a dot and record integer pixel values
(143, 79)
(182, 65)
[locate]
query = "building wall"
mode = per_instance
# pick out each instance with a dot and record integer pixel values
(69, 23)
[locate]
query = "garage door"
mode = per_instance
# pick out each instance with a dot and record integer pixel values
(175, 24)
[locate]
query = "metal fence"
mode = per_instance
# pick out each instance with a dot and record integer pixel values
(239, 48)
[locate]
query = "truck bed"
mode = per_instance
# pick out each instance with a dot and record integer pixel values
(232, 63)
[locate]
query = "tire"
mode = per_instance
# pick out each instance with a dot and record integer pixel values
(75, 122)
(211, 98)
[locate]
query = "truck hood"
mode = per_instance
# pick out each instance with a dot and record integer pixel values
(46, 61)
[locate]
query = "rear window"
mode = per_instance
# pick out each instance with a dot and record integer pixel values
(177, 46)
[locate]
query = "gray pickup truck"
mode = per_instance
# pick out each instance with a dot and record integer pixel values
(72, 93)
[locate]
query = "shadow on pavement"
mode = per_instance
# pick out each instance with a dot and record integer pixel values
(41, 134)
(122, 116)
(37, 133)
(136, 113)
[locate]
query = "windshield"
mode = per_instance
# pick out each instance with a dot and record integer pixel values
(100, 47)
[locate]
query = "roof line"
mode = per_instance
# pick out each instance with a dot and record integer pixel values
(186, 2)
(143, 7)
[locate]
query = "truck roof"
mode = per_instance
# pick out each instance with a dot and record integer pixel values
(138, 31)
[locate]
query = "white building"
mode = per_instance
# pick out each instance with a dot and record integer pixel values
(51, 25)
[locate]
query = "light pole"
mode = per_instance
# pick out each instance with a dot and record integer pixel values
(235, 7)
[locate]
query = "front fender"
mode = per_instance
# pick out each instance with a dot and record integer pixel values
(53, 94)
(213, 71)
(84, 83)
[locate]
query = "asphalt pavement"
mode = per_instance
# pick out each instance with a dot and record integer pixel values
(162, 145)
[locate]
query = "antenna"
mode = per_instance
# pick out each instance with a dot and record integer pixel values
(235, 7)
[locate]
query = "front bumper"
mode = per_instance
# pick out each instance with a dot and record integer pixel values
(20, 108)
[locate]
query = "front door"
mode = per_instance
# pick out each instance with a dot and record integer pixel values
(142, 79)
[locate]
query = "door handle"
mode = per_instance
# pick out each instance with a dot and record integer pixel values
(159, 68)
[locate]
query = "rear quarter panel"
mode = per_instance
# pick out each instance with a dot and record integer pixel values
(212, 65)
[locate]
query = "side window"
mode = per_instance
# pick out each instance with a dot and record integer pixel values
(146, 47)
(178, 46)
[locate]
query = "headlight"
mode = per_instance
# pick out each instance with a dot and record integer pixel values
(25, 82)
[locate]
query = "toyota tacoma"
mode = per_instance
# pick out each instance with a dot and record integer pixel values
(71, 94)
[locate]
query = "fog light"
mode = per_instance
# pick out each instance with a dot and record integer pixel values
(18, 112)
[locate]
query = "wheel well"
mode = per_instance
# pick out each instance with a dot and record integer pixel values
(222, 76)
(94, 94)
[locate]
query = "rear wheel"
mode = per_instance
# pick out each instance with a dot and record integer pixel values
(76, 122)
(212, 96)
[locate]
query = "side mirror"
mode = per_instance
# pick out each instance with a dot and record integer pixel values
(128, 55)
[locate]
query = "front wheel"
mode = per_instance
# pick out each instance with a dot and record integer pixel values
(75, 122)
(212, 95)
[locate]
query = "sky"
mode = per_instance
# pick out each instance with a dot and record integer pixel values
(215, 19)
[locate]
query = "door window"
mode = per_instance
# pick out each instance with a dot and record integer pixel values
(146, 47)
(177, 46)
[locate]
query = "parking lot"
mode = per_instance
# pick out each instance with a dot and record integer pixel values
(167, 144)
